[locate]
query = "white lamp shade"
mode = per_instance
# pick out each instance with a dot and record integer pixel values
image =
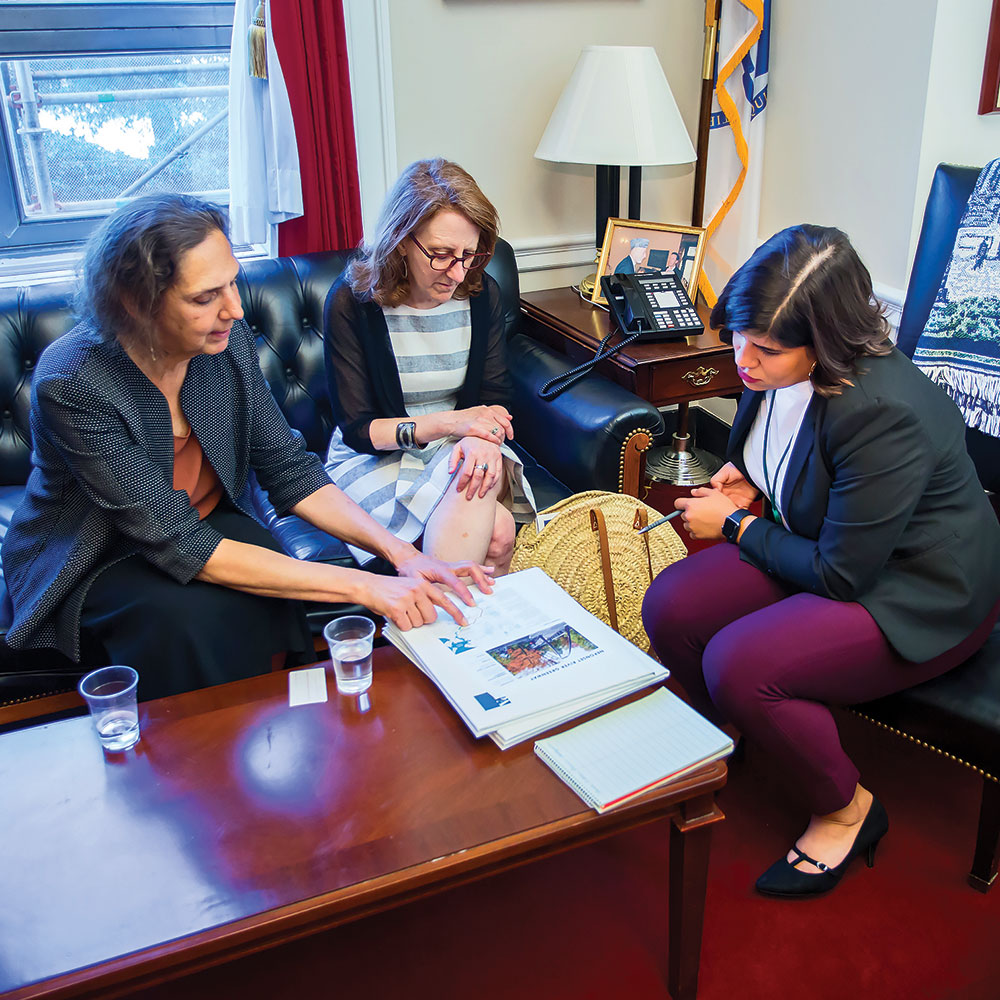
(617, 109)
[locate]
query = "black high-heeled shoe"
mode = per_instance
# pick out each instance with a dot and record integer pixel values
(784, 879)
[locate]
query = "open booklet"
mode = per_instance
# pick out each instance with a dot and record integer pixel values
(530, 658)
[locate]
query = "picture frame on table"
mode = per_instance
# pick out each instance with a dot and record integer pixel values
(634, 247)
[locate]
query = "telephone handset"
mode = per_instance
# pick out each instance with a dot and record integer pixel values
(655, 305)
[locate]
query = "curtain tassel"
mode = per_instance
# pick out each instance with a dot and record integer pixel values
(257, 42)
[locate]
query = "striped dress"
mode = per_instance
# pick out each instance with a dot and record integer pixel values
(400, 489)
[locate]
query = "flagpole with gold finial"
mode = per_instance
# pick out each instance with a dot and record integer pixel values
(712, 12)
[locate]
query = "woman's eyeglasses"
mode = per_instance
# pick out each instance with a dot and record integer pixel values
(444, 261)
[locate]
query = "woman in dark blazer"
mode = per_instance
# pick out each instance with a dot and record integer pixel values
(876, 564)
(147, 418)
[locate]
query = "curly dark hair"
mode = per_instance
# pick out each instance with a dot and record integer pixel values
(132, 258)
(806, 287)
(378, 271)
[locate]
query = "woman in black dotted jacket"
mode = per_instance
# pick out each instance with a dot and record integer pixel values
(146, 420)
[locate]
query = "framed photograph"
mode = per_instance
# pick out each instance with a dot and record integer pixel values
(633, 247)
(989, 94)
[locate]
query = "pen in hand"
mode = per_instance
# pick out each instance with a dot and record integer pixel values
(656, 524)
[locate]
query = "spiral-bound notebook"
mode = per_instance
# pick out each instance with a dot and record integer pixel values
(633, 749)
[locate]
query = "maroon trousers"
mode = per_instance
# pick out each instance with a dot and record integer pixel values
(754, 651)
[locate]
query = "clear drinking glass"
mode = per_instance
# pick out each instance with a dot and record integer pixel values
(350, 641)
(110, 694)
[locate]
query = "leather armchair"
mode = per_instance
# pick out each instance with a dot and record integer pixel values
(589, 438)
(957, 714)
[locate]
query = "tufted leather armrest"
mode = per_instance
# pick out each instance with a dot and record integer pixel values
(579, 436)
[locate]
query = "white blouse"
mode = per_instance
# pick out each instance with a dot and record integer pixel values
(786, 408)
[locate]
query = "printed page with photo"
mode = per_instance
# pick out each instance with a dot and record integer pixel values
(528, 648)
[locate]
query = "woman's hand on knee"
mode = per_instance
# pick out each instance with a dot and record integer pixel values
(480, 464)
(490, 423)
(407, 602)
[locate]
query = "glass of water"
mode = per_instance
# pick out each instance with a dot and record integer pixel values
(350, 641)
(110, 694)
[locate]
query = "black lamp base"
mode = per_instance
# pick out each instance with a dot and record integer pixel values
(609, 196)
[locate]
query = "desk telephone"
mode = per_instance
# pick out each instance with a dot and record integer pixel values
(655, 305)
(643, 306)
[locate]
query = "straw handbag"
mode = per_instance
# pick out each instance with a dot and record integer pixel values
(592, 548)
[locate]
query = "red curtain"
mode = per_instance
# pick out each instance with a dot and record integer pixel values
(311, 42)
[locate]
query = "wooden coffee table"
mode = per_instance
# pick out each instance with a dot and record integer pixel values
(239, 825)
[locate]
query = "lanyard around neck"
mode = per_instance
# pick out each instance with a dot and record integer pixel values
(770, 486)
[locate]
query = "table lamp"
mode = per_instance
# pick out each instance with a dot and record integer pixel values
(617, 110)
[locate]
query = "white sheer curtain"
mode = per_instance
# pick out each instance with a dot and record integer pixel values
(264, 182)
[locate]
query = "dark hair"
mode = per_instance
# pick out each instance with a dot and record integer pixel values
(806, 287)
(132, 257)
(425, 187)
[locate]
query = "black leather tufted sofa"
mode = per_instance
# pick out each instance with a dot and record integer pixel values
(957, 714)
(591, 437)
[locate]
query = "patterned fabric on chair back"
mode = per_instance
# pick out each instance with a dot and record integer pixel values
(950, 190)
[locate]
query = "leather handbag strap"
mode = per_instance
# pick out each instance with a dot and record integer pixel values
(640, 521)
(597, 524)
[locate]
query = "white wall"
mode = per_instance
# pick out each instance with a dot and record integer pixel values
(846, 95)
(864, 100)
(501, 66)
(953, 131)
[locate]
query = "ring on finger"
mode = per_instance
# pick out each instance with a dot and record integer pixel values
(496, 430)
(485, 467)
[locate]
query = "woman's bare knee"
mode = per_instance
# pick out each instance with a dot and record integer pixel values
(501, 546)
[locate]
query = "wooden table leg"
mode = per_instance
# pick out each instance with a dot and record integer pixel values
(690, 839)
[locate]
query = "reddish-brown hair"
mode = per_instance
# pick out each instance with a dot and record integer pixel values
(378, 271)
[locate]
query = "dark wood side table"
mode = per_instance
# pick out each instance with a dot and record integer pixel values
(662, 372)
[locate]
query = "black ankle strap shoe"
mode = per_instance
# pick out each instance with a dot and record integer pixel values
(784, 879)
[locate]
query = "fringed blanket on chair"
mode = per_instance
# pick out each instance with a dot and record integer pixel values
(960, 346)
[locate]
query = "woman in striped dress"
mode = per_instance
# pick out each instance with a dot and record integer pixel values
(414, 346)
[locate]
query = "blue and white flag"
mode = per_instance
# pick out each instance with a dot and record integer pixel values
(736, 142)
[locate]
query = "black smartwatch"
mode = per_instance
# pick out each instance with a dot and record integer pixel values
(731, 525)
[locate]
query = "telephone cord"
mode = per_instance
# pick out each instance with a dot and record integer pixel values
(561, 382)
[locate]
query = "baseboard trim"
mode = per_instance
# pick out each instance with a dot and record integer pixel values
(538, 253)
